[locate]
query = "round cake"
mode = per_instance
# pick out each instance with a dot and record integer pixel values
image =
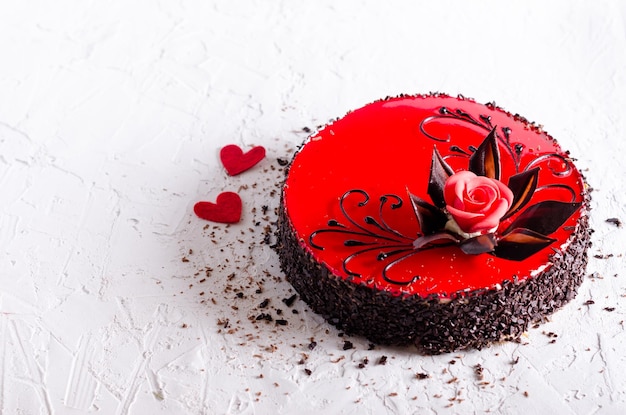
(433, 220)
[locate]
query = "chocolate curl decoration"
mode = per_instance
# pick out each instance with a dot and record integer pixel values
(479, 244)
(521, 243)
(523, 186)
(526, 235)
(486, 159)
(430, 218)
(544, 217)
(440, 171)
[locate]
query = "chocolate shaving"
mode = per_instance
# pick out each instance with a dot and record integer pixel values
(614, 221)
(289, 301)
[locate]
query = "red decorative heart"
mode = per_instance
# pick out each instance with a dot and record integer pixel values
(235, 161)
(226, 209)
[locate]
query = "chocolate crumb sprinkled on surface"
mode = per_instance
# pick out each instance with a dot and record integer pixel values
(614, 221)
(478, 371)
(264, 316)
(347, 345)
(289, 301)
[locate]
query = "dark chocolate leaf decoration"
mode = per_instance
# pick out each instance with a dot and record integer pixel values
(479, 244)
(442, 239)
(430, 218)
(523, 186)
(439, 173)
(521, 243)
(544, 217)
(486, 159)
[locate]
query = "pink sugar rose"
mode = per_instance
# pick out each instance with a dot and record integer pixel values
(476, 202)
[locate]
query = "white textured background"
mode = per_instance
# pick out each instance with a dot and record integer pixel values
(112, 114)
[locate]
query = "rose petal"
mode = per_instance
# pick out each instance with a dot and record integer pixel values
(455, 188)
(464, 219)
(490, 221)
(477, 203)
(505, 192)
(456, 184)
(484, 182)
(480, 199)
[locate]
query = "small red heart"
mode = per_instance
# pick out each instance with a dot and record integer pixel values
(235, 161)
(226, 209)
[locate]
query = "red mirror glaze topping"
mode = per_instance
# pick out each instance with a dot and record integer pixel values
(362, 196)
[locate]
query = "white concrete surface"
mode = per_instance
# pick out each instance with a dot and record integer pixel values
(116, 299)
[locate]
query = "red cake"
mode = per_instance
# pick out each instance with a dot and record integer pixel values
(433, 220)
